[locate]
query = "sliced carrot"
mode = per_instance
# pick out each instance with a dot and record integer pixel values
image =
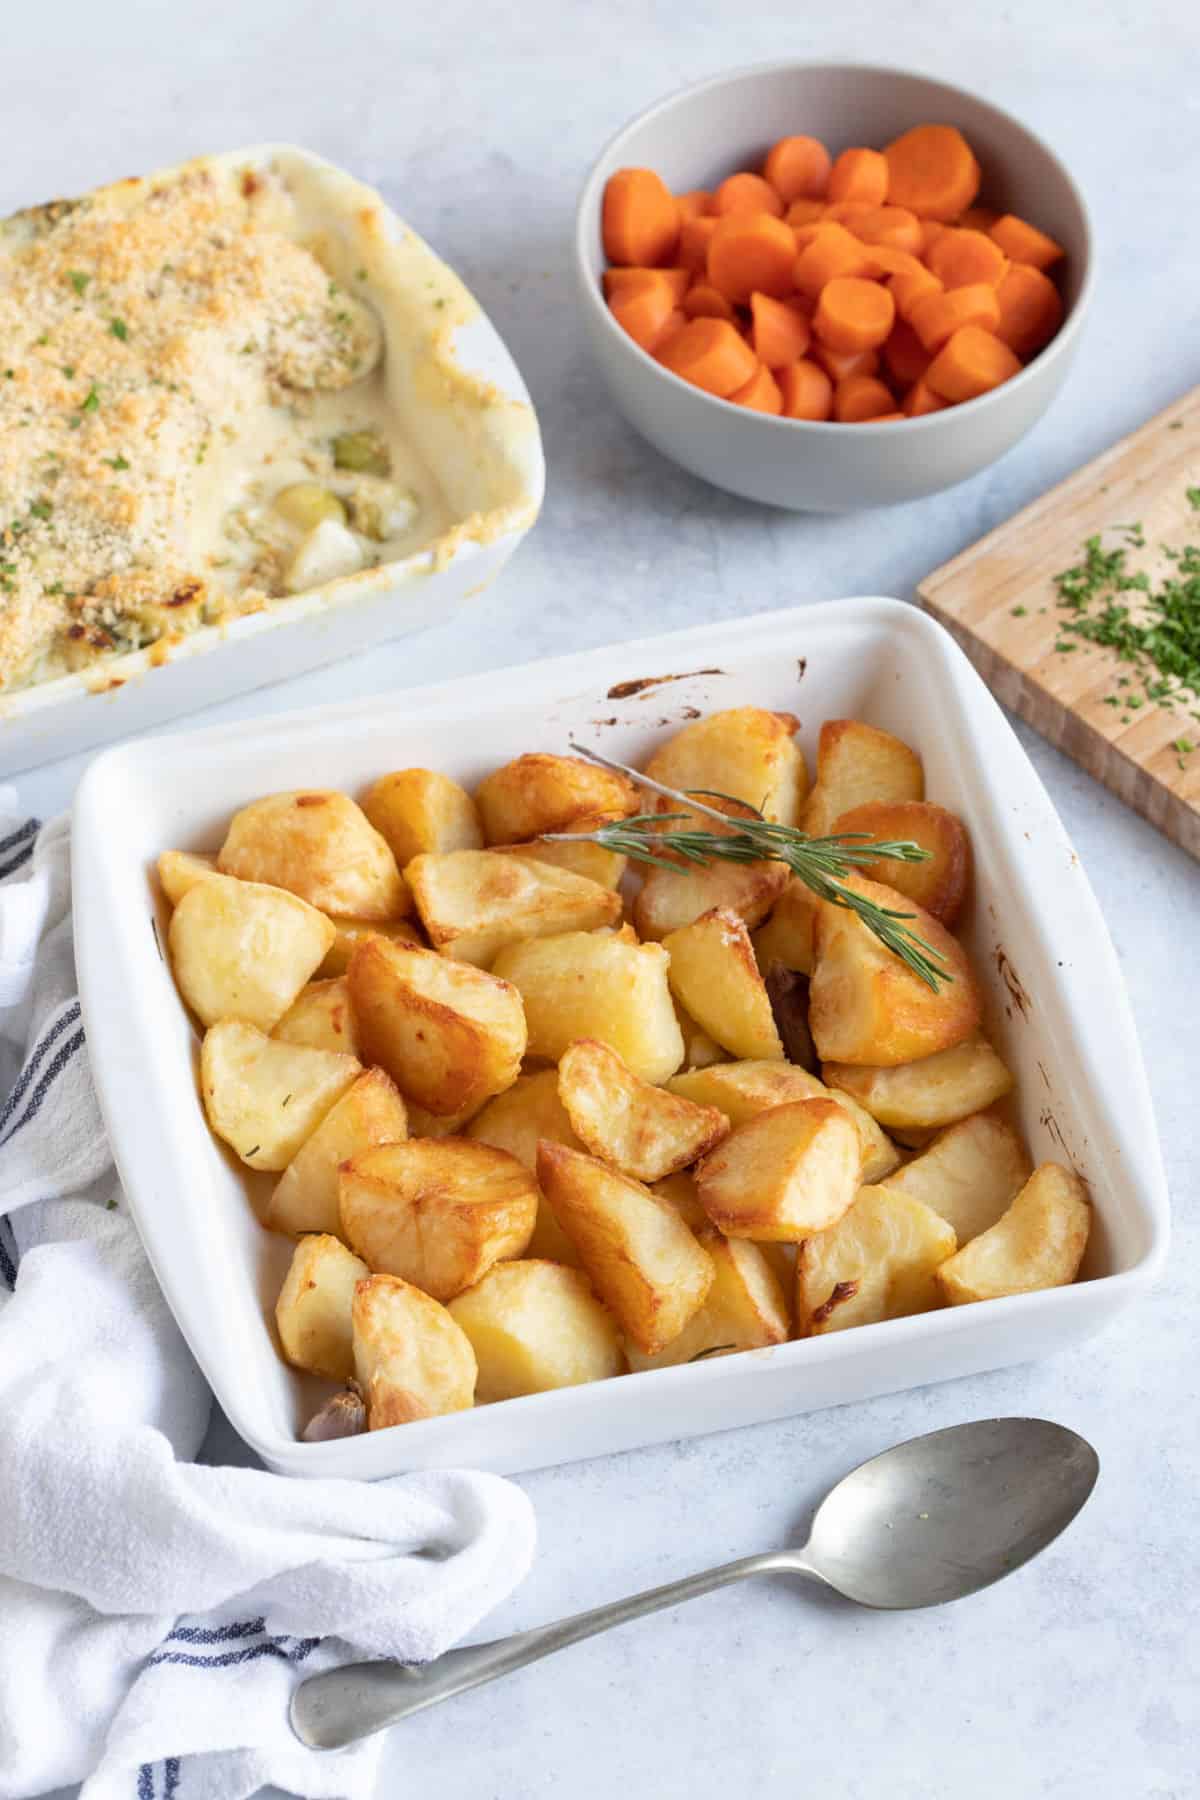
(831, 252)
(643, 307)
(904, 355)
(704, 302)
(861, 176)
(921, 399)
(1031, 309)
(910, 285)
(695, 204)
(678, 280)
(807, 391)
(710, 354)
(977, 218)
(640, 219)
(853, 314)
(959, 258)
(890, 261)
(861, 397)
(939, 316)
(932, 171)
(798, 168)
(778, 332)
(760, 393)
(695, 236)
(751, 253)
(931, 231)
(894, 226)
(746, 193)
(1024, 243)
(840, 365)
(970, 363)
(848, 212)
(805, 212)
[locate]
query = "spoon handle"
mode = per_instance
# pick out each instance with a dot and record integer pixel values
(342, 1705)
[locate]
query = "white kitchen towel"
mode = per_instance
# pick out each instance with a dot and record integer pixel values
(155, 1613)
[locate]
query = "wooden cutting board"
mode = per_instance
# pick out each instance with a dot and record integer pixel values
(998, 599)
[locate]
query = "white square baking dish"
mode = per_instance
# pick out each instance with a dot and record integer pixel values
(1056, 1003)
(461, 403)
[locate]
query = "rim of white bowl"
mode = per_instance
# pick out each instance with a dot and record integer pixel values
(1068, 331)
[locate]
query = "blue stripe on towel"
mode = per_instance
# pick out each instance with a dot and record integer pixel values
(8, 1255)
(17, 861)
(221, 1634)
(145, 1786)
(33, 1061)
(230, 1658)
(57, 1064)
(29, 829)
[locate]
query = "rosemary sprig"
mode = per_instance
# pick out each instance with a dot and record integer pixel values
(821, 863)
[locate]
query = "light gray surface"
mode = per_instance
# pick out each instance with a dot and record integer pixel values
(1072, 1679)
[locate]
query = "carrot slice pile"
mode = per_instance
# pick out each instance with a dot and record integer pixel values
(868, 286)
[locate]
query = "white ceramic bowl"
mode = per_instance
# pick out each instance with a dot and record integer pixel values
(1055, 1001)
(461, 401)
(696, 137)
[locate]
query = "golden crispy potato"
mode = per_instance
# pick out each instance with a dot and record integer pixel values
(1038, 1243)
(539, 793)
(933, 1091)
(180, 870)
(669, 899)
(787, 937)
(590, 860)
(742, 1090)
(240, 950)
(534, 1326)
(438, 1212)
(411, 1359)
(318, 844)
(264, 1098)
(424, 1124)
(680, 1191)
(939, 884)
(641, 1258)
(784, 1173)
(641, 1129)
(714, 975)
(313, 1308)
(744, 752)
(448, 1035)
(473, 902)
(699, 1050)
(745, 1308)
(416, 811)
(879, 1261)
(857, 763)
(320, 1015)
(515, 1121)
(306, 1195)
(866, 1006)
(970, 1174)
(597, 984)
(351, 932)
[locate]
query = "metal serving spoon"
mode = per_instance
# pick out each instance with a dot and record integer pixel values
(931, 1520)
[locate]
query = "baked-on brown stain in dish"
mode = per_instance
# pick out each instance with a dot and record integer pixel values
(1012, 982)
(629, 690)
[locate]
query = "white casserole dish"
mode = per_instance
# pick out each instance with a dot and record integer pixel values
(460, 400)
(1057, 1010)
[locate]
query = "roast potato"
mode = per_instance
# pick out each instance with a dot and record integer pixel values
(866, 1006)
(305, 1197)
(411, 1359)
(744, 752)
(641, 1258)
(180, 870)
(597, 984)
(316, 843)
(592, 861)
(534, 1326)
(672, 898)
(783, 1174)
(539, 793)
(787, 937)
(349, 933)
(857, 763)
(416, 811)
(449, 1035)
(940, 883)
(438, 1212)
(742, 1090)
(240, 950)
(680, 1191)
(714, 975)
(320, 1015)
(516, 1121)
(264, 1098)
(642, 1130)
(933, 1091)
(879, 1261)
(473, 902)
(970, 1174)
(313, 1308)
(745, 1308)
(1038, 1243)
(699, 1050)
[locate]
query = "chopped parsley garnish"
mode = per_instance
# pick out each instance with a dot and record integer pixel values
(1018, 612)
(360, 274)
(41, 509)
(78, 279)
(9, 375)
(117, 462)
(92, 403)
(44, 339)
(1193, 498)
(1184, 745)
(119, 329)
(68, 370)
